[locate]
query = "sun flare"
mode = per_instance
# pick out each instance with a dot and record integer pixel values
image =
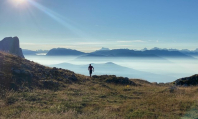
(20, 1)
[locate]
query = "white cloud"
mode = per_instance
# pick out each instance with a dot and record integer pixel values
(124, 41)
(138, 41)
(125, 45)
(27, 43)
(89, 43)
(132, 41)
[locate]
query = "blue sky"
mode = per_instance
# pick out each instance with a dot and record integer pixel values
(88, 25)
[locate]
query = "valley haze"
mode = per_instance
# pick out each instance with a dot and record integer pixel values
(154, 65)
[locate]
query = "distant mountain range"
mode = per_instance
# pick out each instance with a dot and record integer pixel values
(190, 52)
(105, 52)
(110, 68)
(64, 51)
(185, 51)
(146, 53)
(30, 52)
(121, 53)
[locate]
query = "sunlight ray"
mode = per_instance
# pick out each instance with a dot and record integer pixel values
(57, 17)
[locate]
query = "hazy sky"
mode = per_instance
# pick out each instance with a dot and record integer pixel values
(88, 25)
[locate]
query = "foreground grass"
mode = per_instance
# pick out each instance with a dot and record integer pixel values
(90, 99)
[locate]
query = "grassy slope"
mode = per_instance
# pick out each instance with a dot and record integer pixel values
(93, 98)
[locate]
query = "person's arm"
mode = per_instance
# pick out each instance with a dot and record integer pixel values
(93, 68)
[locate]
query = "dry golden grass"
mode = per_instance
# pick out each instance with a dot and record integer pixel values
(93, 99)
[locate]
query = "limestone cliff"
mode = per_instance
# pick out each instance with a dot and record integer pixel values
(11, 45)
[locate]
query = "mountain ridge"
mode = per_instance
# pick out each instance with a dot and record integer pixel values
(63, 51)
(105, 52)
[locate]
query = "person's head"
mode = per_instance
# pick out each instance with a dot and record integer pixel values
(89, 64)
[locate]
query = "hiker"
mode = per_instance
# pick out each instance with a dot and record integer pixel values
(90, 69)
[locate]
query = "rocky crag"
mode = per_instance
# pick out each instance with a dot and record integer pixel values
(187, 81)
(11, 45)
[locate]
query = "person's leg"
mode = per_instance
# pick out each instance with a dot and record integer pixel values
(90, 72)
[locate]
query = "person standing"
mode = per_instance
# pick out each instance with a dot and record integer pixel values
(90, 68)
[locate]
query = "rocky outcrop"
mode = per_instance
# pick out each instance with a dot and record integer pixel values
(113, 79)
(187, 81)
(11, 45)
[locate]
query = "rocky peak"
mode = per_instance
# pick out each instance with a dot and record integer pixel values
(11, 45)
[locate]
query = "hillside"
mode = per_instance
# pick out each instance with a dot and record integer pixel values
(30, 90)
(17, 73)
